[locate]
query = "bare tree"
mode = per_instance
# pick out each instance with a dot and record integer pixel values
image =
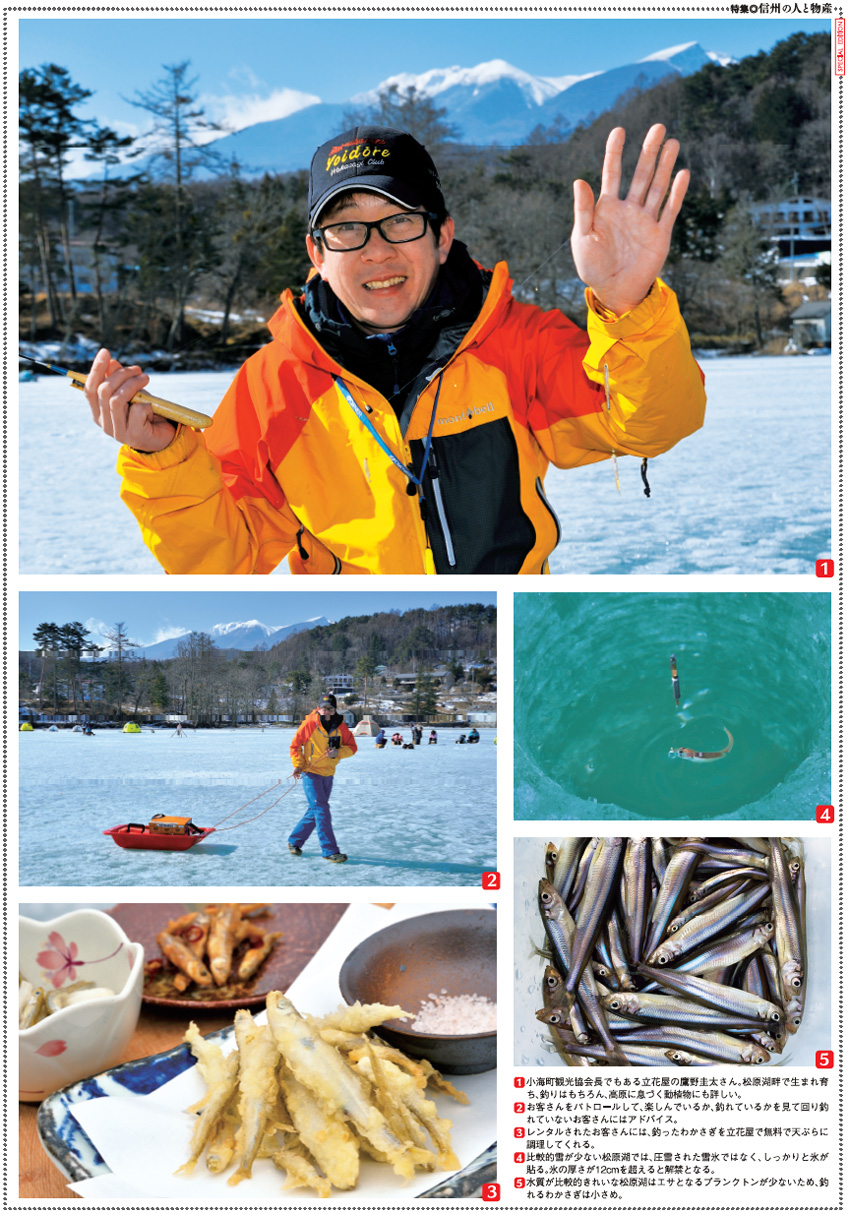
(177, 144)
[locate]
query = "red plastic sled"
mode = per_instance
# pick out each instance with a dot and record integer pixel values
(135, 834)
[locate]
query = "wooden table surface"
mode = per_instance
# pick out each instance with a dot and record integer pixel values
(161, 1029)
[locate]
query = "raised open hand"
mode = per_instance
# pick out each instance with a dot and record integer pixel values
(619, 245)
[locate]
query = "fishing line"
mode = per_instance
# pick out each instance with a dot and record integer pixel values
(529, 277)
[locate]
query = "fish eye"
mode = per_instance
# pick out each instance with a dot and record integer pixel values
(614, 1005)
(775, 1016)
(796, 983)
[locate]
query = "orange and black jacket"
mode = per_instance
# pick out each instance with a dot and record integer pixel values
(308, 461)
(309, 748)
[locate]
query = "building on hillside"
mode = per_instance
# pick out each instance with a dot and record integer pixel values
(811, 324)
(339, 684)
(801, 230)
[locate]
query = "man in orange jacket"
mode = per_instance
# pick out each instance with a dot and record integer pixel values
(404, 416)
(321, 740)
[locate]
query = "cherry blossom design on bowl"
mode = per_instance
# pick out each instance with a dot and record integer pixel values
(62, 961)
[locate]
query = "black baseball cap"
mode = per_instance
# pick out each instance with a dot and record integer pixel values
(329, 701)
(380, 159)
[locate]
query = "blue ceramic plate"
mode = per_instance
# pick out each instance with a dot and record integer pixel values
(77, 1158)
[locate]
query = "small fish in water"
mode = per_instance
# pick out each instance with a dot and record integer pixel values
(701, 756)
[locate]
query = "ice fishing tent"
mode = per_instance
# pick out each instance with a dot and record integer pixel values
(366, 727)
(131, 727)
(26, 727)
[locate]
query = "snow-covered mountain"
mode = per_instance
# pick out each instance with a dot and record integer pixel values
(246, 636)
(492, 103)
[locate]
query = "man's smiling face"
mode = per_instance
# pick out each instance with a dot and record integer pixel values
(381, 284)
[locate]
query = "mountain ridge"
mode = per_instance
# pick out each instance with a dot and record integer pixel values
(490, 103)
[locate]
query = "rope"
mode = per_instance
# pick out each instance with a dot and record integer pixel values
(236, 825)
(245, 806)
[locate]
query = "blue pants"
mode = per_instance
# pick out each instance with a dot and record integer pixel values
(317, 790)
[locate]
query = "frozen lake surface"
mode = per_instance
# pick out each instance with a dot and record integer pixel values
(749, 493)
(420, 817)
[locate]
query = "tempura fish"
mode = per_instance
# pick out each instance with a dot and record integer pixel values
(319, 1067)
(258, 1089)
(221, 1074)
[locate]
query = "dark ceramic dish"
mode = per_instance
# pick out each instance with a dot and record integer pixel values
(448, 951)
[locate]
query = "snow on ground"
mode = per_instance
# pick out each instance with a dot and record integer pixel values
(420, 817)
(750, 493)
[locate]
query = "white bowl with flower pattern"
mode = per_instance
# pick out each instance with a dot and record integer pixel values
(84, 1038)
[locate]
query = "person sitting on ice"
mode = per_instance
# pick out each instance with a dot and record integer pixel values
(407, 381)
(474, 735)
(432, 738)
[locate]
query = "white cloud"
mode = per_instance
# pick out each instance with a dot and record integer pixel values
(167, 634)
(245, 75)
(98, 629)
(236, 111)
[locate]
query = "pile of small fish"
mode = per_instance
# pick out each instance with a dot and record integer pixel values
(673, 952)
(210, 953)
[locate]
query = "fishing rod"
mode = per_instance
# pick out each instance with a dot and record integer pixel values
(163, 408)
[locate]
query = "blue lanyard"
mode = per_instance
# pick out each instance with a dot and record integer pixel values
(364, 420)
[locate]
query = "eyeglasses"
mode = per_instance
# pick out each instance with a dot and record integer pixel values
(395, 229)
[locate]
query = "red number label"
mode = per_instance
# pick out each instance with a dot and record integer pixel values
(491, 1192)
(825, 1059)
(825, 568)
(519, 1108)
(519, 1081)
(519, 1182)
(491, 881)
(519, 1156)
(825, 813)
(519, 1131)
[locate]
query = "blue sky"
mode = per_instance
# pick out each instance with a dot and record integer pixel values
(251, 70)
(155, 615)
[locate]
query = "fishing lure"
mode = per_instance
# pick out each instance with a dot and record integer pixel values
(674, 674)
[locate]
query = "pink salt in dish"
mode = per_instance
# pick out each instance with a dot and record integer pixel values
(455, 1015)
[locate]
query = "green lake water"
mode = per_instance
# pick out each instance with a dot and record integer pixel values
(595, 717)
